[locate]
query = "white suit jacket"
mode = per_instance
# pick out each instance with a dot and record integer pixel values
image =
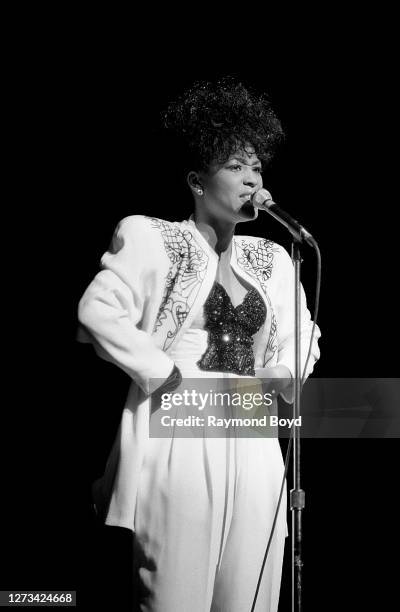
(153, 281)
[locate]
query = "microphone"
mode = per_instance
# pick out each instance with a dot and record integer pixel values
(262, 199)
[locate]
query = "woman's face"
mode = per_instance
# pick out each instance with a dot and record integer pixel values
(228, 187)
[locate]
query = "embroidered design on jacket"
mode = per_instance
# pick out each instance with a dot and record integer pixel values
(186, 273)
(257, 260)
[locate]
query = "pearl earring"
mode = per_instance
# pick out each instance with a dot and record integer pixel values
(200, 191)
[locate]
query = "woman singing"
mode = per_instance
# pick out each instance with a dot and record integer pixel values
(178, 300)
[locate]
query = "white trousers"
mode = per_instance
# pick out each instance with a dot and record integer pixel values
(203, 518)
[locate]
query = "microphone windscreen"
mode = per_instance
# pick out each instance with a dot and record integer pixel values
(262, 199)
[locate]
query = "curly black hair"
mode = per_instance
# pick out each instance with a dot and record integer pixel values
(212, 120)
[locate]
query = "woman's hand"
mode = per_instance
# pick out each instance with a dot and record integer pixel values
(274, 379)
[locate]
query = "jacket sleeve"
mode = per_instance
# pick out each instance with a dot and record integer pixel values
(286, 332)
(111, 308)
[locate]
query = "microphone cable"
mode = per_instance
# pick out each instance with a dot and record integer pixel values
(289, 448)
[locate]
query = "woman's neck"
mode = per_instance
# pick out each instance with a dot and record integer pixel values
(217, 232)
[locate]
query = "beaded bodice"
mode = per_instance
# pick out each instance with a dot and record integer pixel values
(230, 330)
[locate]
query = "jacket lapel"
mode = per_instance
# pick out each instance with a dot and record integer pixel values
(253, 260)
(192, 270)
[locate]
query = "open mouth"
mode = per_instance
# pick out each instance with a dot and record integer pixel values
(245, 199)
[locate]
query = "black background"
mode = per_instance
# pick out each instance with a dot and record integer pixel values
(84, 112)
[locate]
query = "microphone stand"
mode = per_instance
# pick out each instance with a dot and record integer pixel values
(297, 496)
(262, 199)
